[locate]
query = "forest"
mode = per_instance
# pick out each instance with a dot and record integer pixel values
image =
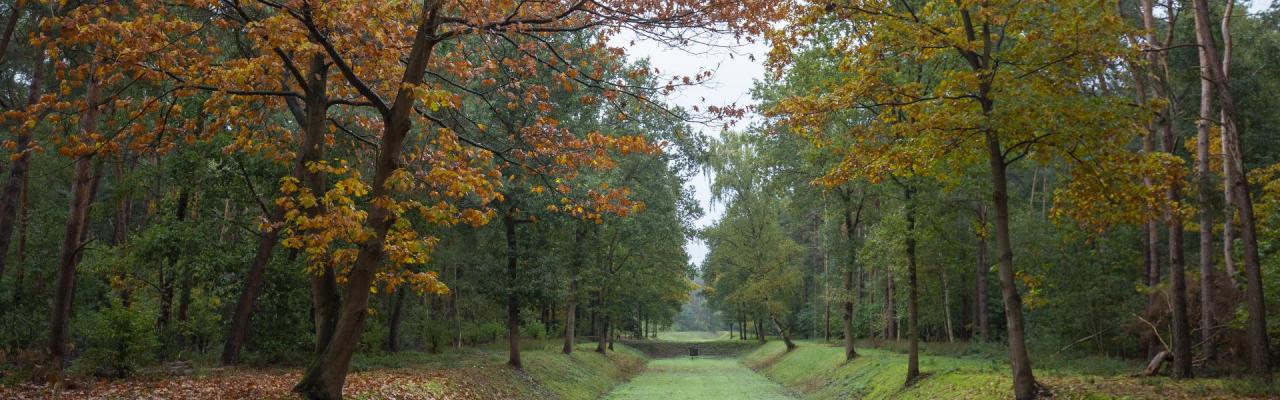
(509, 199)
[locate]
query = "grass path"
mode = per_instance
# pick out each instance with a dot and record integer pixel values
(699, 378)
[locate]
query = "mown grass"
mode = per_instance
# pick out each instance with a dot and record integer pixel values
(690, 378)
(818, 371)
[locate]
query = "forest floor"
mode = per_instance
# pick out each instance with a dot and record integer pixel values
(456, 374)
(817, 370)
(690, 378)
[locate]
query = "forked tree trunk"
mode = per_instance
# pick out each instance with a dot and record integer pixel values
(313, 119)
(327, 373)
(1259, 363)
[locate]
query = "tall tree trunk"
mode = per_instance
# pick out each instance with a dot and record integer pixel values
(1178, 282)
(21, 259)
(454, 315)
(393, 324)
(1177, 269)
(1259, 352)
(72, 235)
(816, 262)
(325, 299)
(981, 317)
(891, 306)
(570, 323)
(312, 118)
(913, 333)
(327, 373)
(184, 306)
(603, 338)
(826, 297)
(852, 218)
(571, 310)
(946, 306)
(18, 171)
(182, 276)
(1024, 382)
(169, 277)
(15, 11)
(513, 301)
(239, 331)
(1203, 193)
(1228, 206)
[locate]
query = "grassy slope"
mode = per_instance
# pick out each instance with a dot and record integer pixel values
(482, 373)
(818, 371)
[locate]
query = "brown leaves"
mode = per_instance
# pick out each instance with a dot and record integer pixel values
(433, 383)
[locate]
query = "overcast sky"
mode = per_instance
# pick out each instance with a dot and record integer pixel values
(733, 73)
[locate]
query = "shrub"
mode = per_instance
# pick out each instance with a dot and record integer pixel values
(117, 340)
(533, 330)
(483, 332)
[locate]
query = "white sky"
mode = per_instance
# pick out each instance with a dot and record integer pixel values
(731, 82)
(733, 74)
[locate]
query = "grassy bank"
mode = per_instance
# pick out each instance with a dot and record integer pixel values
(455, 374)
(817, 371)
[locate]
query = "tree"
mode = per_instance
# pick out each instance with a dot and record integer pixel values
(987, 97)
(752, 261)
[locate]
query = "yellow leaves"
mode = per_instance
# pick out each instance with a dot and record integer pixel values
(307, 200)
